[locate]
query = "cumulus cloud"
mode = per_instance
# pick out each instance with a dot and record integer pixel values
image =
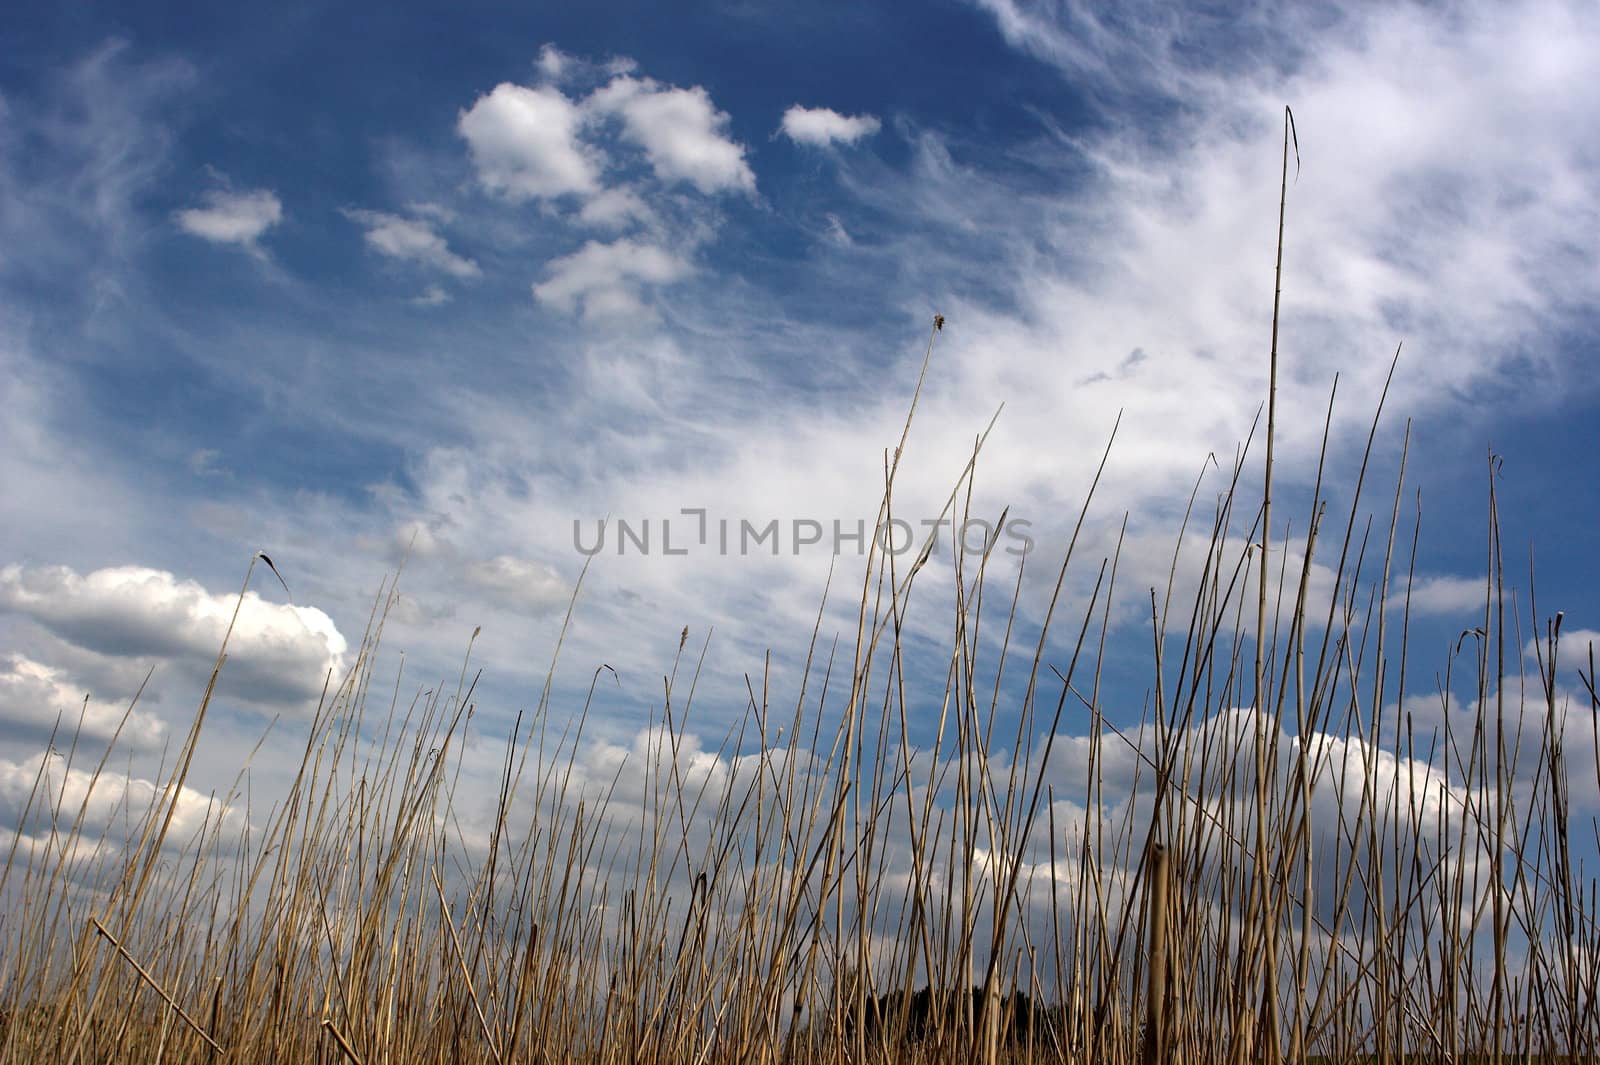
(279, 655)
(34, 696)
(681, 131)
(112, 804)
(1426, 819)
(232, 217)
(534, 142)
(525, 143)
(413, 240)
(545, 142)
(1531, 721)
(1358, 792)
(604, 280)
(822, 126)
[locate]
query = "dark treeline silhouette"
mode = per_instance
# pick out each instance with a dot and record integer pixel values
(927, 1013)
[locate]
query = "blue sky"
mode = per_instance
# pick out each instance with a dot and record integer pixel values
(328, 281)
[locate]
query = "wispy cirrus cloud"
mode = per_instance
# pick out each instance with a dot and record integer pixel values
(76, 160)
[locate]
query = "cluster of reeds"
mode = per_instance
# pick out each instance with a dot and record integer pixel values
(1280, 868)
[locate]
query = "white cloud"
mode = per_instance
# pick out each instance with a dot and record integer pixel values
(432, 296)
(110, 802)
(615, 209)
(837, 234)
(681, 131)
(1077, 38)
(417, 539)
(1523, 710)
(553, 62)
(437, 212)
(279, 655)
(1142, 282)
(205, 462)
(525, 143)
(520, 583)
(822, 126)
(232, 217)
(1571, 653)
(413, 240)
(33, 696)
(78, 161)
(1423, 814)
(1441, 595)
(1163, 249)
(536, 142)
(1355, 789)
(604, 279)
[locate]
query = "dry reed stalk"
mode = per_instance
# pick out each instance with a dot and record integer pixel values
(1326, 876)
(155, 986)
(1158, 1031)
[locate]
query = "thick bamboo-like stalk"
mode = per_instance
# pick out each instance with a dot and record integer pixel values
(1157, 1029)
